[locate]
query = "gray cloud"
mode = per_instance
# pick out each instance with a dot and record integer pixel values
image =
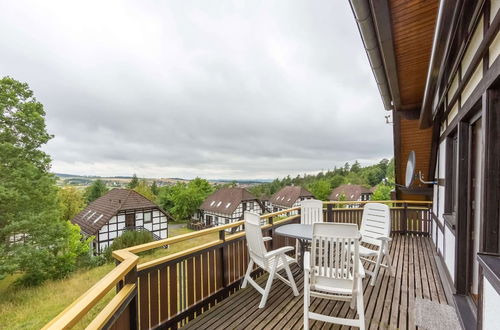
(252, 89)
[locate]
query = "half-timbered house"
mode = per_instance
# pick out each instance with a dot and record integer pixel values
(437, 68)
(288, 197)
(110, 215)
(227, 205)
(351, 192)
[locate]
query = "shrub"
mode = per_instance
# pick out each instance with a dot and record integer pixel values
(128, 239)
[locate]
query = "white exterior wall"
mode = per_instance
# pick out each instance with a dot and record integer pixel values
(115, 226)
(491, 306)
(221, 218)
(449, 251)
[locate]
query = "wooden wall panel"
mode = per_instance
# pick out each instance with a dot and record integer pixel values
(413, 24)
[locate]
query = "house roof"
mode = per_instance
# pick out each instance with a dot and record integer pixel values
(352, 192)
(226, 200)
(404, 33)
(289, 194)
(100, 211)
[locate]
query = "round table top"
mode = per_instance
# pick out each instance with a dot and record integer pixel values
(296, 230)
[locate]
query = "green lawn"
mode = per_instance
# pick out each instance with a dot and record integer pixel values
(32, 308)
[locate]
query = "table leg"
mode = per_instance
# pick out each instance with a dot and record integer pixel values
(302, 251)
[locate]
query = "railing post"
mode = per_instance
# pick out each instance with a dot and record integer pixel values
(405, 217)
(271, 222)
(131, 278)
(329, 212)
(222, 237)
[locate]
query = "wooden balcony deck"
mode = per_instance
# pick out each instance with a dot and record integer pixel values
(388, 305)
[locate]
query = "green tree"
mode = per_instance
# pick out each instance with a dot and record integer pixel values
(382, 193)
(336, 181)
(95, 190)
(34, 240)
(183, 199)
(134, 182)
(356, 167)
(71, 201)
(154, 188)
(144, 189)
(320, 189)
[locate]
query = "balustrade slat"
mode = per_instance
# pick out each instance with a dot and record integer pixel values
(163, 274)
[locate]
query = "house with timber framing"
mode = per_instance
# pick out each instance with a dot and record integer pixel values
(227, 205)
(440, 80)
(119, 210)
(288, 197)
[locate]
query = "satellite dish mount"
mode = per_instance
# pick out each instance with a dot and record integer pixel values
(410, 172)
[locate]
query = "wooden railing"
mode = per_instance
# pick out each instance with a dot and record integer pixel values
(171, 290)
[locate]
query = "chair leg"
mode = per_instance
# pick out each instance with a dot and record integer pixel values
(360, 305)
(247, 274)
(353, 301)
(377, 267)
(306, 300)
(291, 279)
(268, 288)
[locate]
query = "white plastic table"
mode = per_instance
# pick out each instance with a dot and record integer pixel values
(303, 233)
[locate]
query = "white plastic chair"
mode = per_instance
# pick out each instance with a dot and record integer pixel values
(311, 211)
(272, 261)
(333, 270)
(376, 230)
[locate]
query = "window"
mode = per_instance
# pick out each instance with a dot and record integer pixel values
(227, 205)
(219, 203)
(212, 204)
(250, 206)
(147, 217)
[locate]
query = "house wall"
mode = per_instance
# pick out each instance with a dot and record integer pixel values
(276, 207)
(222, 219)
(154, 221)
(457, 113)
(491, 306)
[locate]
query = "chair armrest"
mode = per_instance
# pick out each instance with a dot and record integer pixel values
(384, 238)
(266, 238)
(307, 262)
(276, 252)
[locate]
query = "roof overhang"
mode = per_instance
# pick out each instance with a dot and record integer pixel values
(404, 37)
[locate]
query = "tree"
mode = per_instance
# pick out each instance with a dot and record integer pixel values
(183, 199)
(356, 167)
(382, 193)
(320, 189)
(34, 240)
(154, 188)
(95, 190)
(336, 181)
(71, 202)
(134, 182)
(144, 189)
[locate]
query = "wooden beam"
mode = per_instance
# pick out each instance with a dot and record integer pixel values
(383, 27)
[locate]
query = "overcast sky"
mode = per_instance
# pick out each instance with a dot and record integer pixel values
(217, 89)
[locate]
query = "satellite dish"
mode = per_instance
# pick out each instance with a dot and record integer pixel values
(410, 169)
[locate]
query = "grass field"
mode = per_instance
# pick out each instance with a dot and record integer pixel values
(32, 308)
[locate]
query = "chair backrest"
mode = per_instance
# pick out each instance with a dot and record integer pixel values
(376, 222)
(335, 251)
(255, 242)
(311, 211)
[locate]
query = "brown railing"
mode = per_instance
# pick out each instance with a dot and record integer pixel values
(171, 290)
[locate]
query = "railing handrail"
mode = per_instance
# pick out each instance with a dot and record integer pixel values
(383, 202)
(129, 262)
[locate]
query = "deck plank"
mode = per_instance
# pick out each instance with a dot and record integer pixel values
(388, 305)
